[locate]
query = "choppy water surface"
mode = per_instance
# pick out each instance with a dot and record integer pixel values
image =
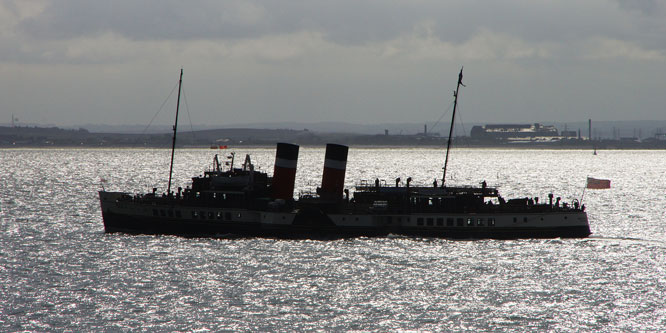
(60, 271)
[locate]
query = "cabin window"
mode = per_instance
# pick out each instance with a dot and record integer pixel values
(525, 219)
(219, 215)
(399, 219)
(343, 218)
(479, 222)
(459, 221)
(170, 212)
(430, 221)
(440, 221)
(419, 221)
(195, 214)
(178, 214)
(227, 216)
(162, 212)
(155, 213)
(565, 217)
(470, 222)
(380, 204)
(491, 221)
(239, 215)
(211, 215)
(515, 219)
(449, 221)
(356, 219)
(202, 215)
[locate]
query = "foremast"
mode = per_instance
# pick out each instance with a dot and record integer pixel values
(453, 117)
(175, 130)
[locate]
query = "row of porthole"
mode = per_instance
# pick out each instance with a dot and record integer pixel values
(168, 212)
(515, 219)
(200, 215)
(460, 222)
(283, 217)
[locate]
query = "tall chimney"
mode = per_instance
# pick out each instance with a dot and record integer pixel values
(284, 173)
(589, 128)
(335, 165)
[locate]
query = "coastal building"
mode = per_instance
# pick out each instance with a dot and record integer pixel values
(514, 131)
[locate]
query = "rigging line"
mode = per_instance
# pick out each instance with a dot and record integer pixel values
(462, 124)
(583, 195)
(442, 116)
(159, 110)
(187, 108)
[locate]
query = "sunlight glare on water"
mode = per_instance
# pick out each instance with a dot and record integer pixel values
(60, 271)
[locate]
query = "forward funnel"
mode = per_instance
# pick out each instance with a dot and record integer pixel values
(284, 173)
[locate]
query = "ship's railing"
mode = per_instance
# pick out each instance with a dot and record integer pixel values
(367, 186)
(307, 194)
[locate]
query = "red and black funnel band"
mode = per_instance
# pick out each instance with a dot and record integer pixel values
(336, 152)
(284, 173)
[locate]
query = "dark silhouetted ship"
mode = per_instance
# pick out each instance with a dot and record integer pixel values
(246, 202)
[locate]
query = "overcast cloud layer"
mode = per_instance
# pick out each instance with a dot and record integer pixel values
(114, 62)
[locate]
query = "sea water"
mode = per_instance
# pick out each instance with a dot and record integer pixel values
(60, 271)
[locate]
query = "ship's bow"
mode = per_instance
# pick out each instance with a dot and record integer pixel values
(108, 201)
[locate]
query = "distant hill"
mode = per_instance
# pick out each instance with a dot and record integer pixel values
(601, 129)
(298, 133)
(321, 127)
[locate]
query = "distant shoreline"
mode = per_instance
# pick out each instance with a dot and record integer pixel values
(272, 146)
(37, 137)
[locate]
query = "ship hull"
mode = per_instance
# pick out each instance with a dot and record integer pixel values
(141, 225)
(182, 220)
(503, 233)
(144, 225)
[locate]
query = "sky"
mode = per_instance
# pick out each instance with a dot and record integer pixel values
(75, 62)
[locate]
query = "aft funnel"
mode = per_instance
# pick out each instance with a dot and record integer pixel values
(284, 173)
(335, 165)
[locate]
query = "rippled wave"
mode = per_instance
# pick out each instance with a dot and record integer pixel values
(60, 271)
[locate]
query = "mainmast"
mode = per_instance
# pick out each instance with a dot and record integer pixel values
(453, 117)
(175, 127)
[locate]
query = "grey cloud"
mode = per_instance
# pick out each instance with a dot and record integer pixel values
(648, 22)
(645, 7)
(343, 21)
(316, 60)
(142, 20)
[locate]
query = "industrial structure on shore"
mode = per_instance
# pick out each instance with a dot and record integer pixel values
(509, 132)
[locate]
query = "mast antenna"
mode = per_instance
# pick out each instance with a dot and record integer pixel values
(175, 128)
(453, 117)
